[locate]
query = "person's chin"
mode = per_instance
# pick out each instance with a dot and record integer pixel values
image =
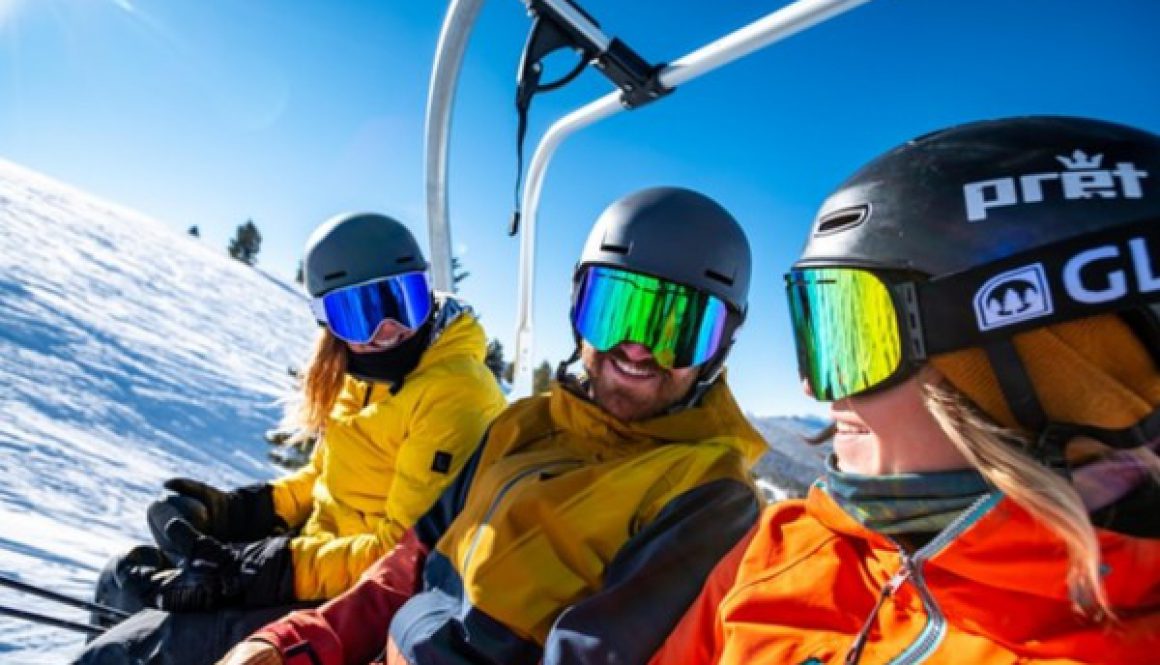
(855, 452)
(373, 347)
(623, 402)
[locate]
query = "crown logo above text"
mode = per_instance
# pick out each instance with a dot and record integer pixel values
(1080, 160)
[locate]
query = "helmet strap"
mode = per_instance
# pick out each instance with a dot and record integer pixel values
(711, 370)
(707, 375)
(562, 375)
(1019, 392)
(1051, 438)
(1016, 384)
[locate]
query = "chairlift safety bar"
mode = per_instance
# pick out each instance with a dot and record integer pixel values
(772, 28)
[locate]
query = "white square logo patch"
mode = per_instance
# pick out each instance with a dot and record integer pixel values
(1013, 296)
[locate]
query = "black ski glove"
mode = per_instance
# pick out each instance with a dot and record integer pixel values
(216, 575)
(241, 515)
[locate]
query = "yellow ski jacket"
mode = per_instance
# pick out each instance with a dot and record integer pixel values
(384, 459)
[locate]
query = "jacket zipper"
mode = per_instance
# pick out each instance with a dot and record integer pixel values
(935, 629)
(854, 655)
(559, 464)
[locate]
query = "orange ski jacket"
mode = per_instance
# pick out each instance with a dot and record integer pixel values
(991, 588)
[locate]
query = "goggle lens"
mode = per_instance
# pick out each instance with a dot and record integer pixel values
(846, 330)
(354, 313)
(681, 325)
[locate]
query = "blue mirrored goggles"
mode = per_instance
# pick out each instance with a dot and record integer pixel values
(354, 313)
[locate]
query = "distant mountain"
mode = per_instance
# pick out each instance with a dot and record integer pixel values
(129, 353)
(791, 464)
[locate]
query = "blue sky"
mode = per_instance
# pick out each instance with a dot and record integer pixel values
(209, 112)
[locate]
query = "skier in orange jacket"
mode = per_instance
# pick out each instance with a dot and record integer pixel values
(980, 307)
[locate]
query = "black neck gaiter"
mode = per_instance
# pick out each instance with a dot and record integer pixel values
(393, 365)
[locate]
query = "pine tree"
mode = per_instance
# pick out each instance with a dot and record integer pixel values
(494, 359)
(458, 274)
(193, 231)
(246, 243)
(541, 377)
(300, 276)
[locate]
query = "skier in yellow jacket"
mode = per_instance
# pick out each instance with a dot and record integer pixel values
(399, 396)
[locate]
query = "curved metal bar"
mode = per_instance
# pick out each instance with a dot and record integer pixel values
(449, 52)
(530, 202)
(774, 27)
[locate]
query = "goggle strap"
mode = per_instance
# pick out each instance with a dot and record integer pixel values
(1034, 289)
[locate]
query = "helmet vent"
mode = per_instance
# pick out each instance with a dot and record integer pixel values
(615, 249)
(843, 219)
(334, 275)
(405, 259)
(712, 274)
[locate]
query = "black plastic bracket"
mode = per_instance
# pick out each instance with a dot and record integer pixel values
(563, 24)
(637, 80)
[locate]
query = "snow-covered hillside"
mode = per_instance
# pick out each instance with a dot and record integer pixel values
(129, 353)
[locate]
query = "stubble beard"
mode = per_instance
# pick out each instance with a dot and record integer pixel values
(631, 403)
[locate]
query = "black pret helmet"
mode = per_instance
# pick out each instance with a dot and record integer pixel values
(964, 237)
(355, 248)
(977, 193)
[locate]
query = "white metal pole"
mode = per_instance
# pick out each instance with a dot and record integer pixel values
(529, 204)
(774, 27)
(449, 52)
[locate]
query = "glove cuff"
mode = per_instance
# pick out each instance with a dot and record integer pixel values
(250, 514)
(266, 572)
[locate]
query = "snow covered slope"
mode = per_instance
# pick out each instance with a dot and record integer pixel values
(129, 353)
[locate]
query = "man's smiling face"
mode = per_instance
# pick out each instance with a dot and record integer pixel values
(627, 382)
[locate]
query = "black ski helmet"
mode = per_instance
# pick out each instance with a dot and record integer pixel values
(979, 192)
(1068, 206)
(675, 234)
(353, 248)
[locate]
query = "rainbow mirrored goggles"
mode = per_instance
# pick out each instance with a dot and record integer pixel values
(846, 328)
(681, 325)
(859, 329)
(354, 313)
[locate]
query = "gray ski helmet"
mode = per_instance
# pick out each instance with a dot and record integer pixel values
(353, 248)
(977, 193)
(675, 234)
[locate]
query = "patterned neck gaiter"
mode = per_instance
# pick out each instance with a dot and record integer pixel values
(906, 503)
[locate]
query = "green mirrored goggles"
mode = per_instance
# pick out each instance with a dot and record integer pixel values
(681, 325)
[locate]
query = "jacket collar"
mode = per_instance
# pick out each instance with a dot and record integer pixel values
(717, 417)
(999, 544)
(454, 331)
